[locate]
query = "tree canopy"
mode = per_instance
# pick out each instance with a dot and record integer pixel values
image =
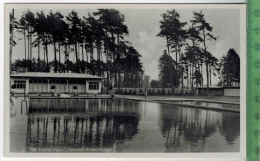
(89, 38)
(230, 68)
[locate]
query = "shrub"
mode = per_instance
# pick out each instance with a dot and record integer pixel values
(158, 92)
(153, 92)
(149, 92)
(163, 92)
(125, 92)
(117, 91)
(130, 92)
(134, 92)
(169, 93)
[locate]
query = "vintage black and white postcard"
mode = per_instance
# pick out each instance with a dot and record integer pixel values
(110, 80)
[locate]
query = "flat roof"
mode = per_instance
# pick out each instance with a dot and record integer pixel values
(54, 75)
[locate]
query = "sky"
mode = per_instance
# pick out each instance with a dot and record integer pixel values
(143, 26)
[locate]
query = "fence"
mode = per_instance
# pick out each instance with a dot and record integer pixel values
(150, 91)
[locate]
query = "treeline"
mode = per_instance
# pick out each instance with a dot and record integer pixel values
(96, 40)
(189, 45)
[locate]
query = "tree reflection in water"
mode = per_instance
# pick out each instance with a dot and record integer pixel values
(230, 127)
(100, 126)
(188, 129)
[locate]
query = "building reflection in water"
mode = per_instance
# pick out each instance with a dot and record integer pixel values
(102, 125)
(93, 125)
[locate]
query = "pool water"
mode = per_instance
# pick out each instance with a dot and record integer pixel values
(105, 125)
(208, 104)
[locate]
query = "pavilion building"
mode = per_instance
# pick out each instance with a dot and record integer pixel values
(37, 82)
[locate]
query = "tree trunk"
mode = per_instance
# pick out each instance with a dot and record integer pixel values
(107, 73)
(207, 72)
(44, 51)
(176, 54)
(38, 54)
(28, 47)
(31, 51)
(86, 56)
(114, 65)
(47, 67)
(191, 69)
(98, 59)
(209, 76)
(182, 81)
(91, 60)
(201, 72)
(76, 54)
(24, 37)
(188, 76)
(59, 59)
(55, 57)
(11, 43)
(66, 59)
(83, 63)
(192, 82)
(167, 41)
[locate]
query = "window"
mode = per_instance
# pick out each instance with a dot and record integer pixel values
(93, 85)
(20, 84)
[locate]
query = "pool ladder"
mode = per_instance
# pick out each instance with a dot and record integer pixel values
(25, 107)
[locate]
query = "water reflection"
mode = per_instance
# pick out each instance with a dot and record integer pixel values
(100, 125)
(191, 130)
(91, 125)
(209, 104)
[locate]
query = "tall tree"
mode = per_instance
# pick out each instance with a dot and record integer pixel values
(173, 30)
(155, 84)
(56, 29)
(22, 28)
(74, 32)
(89, 34)
(113, 22)
(11, 40)
(205, 29)
(230, 68)
(41, 29)
(193, 53)
(166, 66)
(192, 58)
(29, 22)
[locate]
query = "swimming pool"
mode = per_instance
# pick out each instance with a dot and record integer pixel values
(119, 125)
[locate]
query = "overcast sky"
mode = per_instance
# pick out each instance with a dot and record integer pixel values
(143, 26)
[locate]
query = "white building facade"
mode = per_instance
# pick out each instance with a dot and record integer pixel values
(36, 82)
